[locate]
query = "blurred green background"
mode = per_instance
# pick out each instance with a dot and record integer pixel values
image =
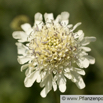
(15, 12)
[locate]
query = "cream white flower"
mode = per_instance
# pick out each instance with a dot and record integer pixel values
(51, 52)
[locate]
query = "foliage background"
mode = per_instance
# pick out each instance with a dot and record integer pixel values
(15, 12)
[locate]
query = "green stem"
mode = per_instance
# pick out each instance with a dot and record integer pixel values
(56, 97)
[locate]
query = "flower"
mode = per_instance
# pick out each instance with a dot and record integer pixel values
(51, 52)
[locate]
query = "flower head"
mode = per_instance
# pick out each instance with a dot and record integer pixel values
(51, 52)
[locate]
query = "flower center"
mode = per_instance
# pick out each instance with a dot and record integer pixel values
(53, 46)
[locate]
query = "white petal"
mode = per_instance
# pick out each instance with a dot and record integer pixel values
(29, 80)
(64, 18)
(82, 53)
(75, 26)
(90, 58)
(62, 83)
(79, 71)
(79, 81)
(55, 78)
(23, 67)
(54, 85)
(87, 40)
(18, 34)
(23, 59)
(22, 36)
(26, 27)
(54, 82)
(38, 78)
(83, 62)
(45, 91)
(87, 49)
(58, 19)
(90, 39)
(44, 79)
(38, 17)
(73, 79)
(64, 15)
(68, 75)
(22, 49)
(70, 25)
(62, 87)
(28, 72)
(47, 88)
(48, 17)
(38, 21)
(66, 68)
(43, 74)
(79, 35)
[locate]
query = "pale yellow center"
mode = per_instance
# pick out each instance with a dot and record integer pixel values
(53, 45)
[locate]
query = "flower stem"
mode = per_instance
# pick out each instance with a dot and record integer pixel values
(56, 97)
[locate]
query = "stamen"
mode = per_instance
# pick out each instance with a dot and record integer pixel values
(47, 51)
(45, 42)
(38, 52)
(37, 28)
(34, 40)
